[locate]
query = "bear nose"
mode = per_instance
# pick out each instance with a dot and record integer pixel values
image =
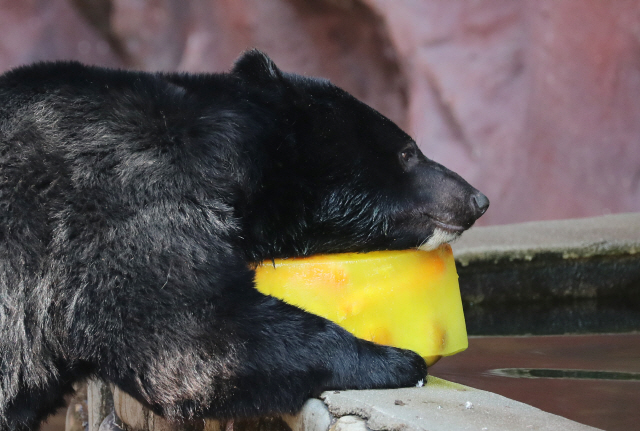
(480, 203)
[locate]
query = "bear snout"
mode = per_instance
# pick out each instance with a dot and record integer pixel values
(479, 203)
(443, 195)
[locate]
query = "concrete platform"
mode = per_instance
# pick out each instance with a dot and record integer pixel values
(551, 277)
(443, 406)
(616, 234)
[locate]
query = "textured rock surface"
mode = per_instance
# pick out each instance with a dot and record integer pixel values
(533, 101)
(314, 416)
(49, 30)
(349, 423)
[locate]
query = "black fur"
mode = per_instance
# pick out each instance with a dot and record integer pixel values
(133, 204)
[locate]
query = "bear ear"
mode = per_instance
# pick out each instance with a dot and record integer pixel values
(256, 66)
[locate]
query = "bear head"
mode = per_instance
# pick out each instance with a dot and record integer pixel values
(338, 176)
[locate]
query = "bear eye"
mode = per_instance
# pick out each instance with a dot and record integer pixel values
(408, 155)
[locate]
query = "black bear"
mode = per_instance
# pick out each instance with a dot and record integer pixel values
(132, 206)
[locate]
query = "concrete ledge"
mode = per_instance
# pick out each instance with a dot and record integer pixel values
(589, 258)
(617, 234)
(443, 406)
(552, 277)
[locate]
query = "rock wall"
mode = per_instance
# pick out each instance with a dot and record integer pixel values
(533, 101)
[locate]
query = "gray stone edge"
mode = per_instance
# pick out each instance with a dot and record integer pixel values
(609, 235)
(443, 406)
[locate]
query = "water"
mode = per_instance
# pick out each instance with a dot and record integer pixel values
(593, 379)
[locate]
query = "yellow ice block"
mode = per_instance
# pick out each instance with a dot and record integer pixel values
(408, 299)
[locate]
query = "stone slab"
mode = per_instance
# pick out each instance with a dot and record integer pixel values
(615, 234)
(443, 406)
(314, 416)
(551, 277)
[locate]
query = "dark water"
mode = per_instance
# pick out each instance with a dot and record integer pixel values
(591, 379)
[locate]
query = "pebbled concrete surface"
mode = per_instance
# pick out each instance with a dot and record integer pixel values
(443, 406)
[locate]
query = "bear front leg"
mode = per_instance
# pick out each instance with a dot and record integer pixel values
(259, 356)
(290, 355)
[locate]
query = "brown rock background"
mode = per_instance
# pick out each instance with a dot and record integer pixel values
(536, 102)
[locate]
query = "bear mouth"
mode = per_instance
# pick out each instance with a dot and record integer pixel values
(421, 216)
(429, 232)
(447, 227)
(437, 238)
(442, 233)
